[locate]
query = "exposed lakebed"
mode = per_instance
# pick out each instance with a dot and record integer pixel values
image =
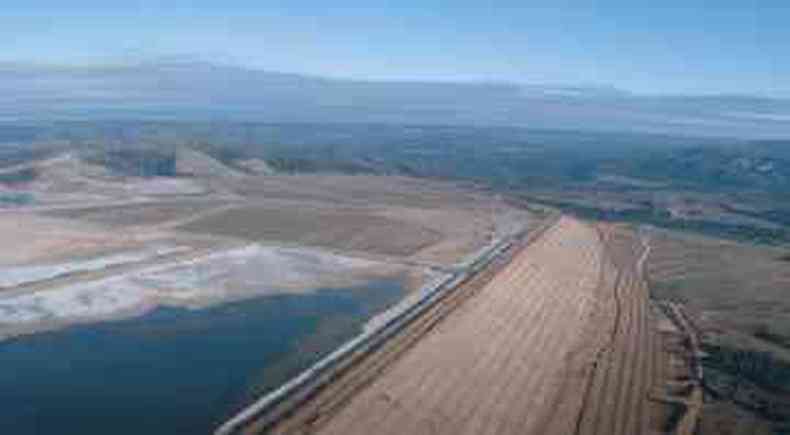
(175, 370)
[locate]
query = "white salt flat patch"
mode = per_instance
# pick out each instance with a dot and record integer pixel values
(250, 271)
(95, 301)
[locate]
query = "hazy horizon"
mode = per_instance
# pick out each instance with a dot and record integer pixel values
(191, 88)
(677, 47)
(180, 60)
(678, 68)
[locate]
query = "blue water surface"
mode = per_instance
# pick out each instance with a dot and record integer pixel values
(174, 371)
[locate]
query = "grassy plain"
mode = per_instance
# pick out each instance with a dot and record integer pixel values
(737, 295)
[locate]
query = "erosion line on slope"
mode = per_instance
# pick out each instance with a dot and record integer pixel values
(609, 344)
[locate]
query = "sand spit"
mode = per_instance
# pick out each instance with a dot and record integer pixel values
(249, 271)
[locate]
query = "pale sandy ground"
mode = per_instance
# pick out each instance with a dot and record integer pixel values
(464, 231)
(627, 384)
(94, 246)
(13, 276)
(500, 363)
(559, 342)
(28, 238)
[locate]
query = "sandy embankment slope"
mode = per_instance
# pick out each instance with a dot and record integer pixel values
(529, 354)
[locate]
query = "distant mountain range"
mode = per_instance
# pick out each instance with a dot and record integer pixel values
(195, 90)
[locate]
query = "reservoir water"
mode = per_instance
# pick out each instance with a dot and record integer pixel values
(174, 371)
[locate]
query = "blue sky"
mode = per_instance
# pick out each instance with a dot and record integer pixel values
(677, 47)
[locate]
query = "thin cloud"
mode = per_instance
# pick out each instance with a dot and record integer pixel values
(761, 116)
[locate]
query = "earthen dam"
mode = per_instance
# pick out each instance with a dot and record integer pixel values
(554, 333)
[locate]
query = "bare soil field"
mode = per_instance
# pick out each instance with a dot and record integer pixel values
(423, 220)
(362, 190)
(95, 257)
(562, 340)
(152, 213)
(346, 229)
(628, 389)
(30, 238)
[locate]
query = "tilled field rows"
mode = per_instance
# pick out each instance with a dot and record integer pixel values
(628, 367)
(561, 340)
(513, 359)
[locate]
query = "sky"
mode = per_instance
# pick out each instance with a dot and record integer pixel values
(670, 47)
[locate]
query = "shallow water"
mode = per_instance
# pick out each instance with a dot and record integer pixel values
(174, 371)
